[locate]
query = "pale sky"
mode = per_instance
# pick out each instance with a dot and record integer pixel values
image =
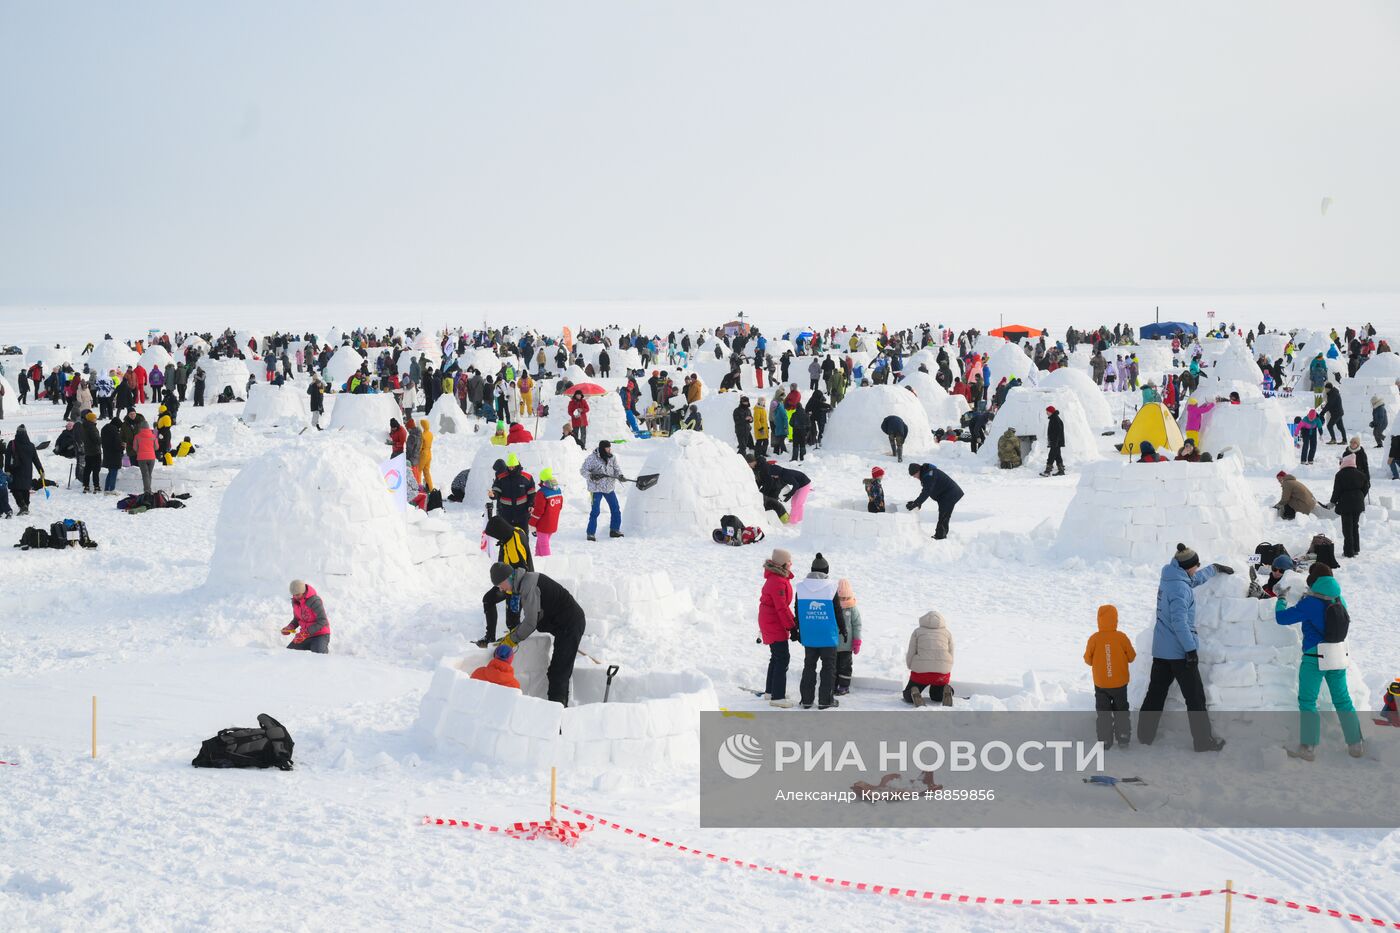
(455, 151)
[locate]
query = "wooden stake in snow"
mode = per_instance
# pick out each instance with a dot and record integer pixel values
(1229, 902)
(553, 787)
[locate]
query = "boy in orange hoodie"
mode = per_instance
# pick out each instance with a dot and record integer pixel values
(498, 670)
(1109, 653)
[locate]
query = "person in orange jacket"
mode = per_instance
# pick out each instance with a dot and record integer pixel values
(1109, 653)
(499, 669)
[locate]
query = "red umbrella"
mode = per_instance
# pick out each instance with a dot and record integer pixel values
(587, 388)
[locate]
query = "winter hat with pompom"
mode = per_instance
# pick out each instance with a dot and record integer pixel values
(819, 564)
(1186, 558)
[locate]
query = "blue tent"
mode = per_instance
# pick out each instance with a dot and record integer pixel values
(1165, 329)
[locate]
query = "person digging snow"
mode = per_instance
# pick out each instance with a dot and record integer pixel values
(544, 605)
(897, 432)
(601, 471)
(1174, 650)
(941, 488)
(309, 623)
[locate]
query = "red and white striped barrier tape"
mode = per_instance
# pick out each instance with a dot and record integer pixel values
(917, 894)
(562, 830)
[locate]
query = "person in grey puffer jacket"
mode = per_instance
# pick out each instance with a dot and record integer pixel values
(601, 471)
(930, 660)
(413, 446)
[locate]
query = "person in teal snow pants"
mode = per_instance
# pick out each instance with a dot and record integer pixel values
(1310, 613)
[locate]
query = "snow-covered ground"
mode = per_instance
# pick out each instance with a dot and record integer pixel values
(138, 839)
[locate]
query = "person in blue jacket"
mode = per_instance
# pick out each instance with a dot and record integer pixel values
(1310, 613)
(941, 488)
(1174, 650)
(897, 431)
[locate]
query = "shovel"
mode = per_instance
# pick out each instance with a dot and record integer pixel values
(607, 688)
(645, 481)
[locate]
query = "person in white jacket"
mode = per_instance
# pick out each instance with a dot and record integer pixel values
(930, 660)
(601, 471)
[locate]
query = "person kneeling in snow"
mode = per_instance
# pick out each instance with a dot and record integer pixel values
(498, 670)
(1294, 497)
(309, 622)
(929, 658)
(545, 605)
(1008, 450)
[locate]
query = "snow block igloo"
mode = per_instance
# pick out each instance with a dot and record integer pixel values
(343, 364)
(565, 458)
(273, 405)
(1247, 660)
(646, 602)
(310, 509)
(701, 479)
(447, 416)
(649, 720)
(1091, 398)
(1024, 412)
(109, 355)
(854, 525)
(1138, 512)
(370, 412)
(606, 419)
(1257, 428)
(942, 409)
(854, 425)
(221, 374)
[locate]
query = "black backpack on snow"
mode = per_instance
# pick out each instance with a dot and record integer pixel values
(1336, 621)
(32, 538)
(268, 746)
(1268, 553)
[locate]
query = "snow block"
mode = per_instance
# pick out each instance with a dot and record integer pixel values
(1236, 698)
(1270, 633)
(536, 718)
(1233, 674)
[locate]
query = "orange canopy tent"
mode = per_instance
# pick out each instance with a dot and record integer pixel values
(1017, 332)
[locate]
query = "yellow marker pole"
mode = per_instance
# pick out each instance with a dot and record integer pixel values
(553, 787)
(94, 726)
(1229, 902)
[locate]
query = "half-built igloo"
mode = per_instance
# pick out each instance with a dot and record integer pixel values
(1247, 660)
(565, 458)
(221, 374)
(312, 509)
(343, 364)
(854, 425)
(606, 419)
(155, 355)
(1024, 412)
(1138, 512)
(110, 355)
(1091, 398)
(942, 408)
(447, 416)
(1257, 428)
(276, 406)
(649, 720)
(700, 480)
(367, 411)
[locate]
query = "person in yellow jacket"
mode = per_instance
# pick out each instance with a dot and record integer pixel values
(1109, 653)
(760, 429)
(425, 456)
(500, 437)
(526, 385)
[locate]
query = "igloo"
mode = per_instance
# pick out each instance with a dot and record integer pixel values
(1025, 412)
(1247, 660)
(565, 458)
(606, 419)
(109, 355)
(701, 479)
(250, 342)
(155, 355)
(1269, 345)
(854, 425)
(649, 720)
(271, 405)
(447, 416)
(1093, 400)
(1257, 428)
(942, 409)
(312, 509)
(49, 357)
(1380, 366)
(367, 411)
(223, 373)
(343, 364)
(482, 359)
(1138, 512)
(1010, 360)
(193, 341)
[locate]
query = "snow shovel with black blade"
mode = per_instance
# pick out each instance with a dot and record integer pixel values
(645, 481)
(607, 688)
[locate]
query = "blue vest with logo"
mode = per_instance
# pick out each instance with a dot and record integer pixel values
(816, 612)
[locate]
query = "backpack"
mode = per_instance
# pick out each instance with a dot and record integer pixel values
(1336, 622)
(434, 500)
(268, 746)
(1324, 550)
(58, 535)
(1268, 553)
(32, 538)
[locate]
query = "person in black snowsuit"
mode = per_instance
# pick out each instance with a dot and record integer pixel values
(514, 493)
(801, 424)
(90, 464)
(1055, 441)
(976, 423)
(771, 480)
(1349, 501)
(817, 409)
(112, 450)
(743, 426)
(1332, 411)
(545, 605)
(898, 432)
(21, 463)
(604, 364)
(318, 405)
(941, 488)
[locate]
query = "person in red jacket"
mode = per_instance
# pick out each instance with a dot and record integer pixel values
(498, 670)
(776, 624)
(139, 375)
(144, 445)
(578, 420)
(398, 436)
(544, 514)
(309, 622)
(518, 434)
